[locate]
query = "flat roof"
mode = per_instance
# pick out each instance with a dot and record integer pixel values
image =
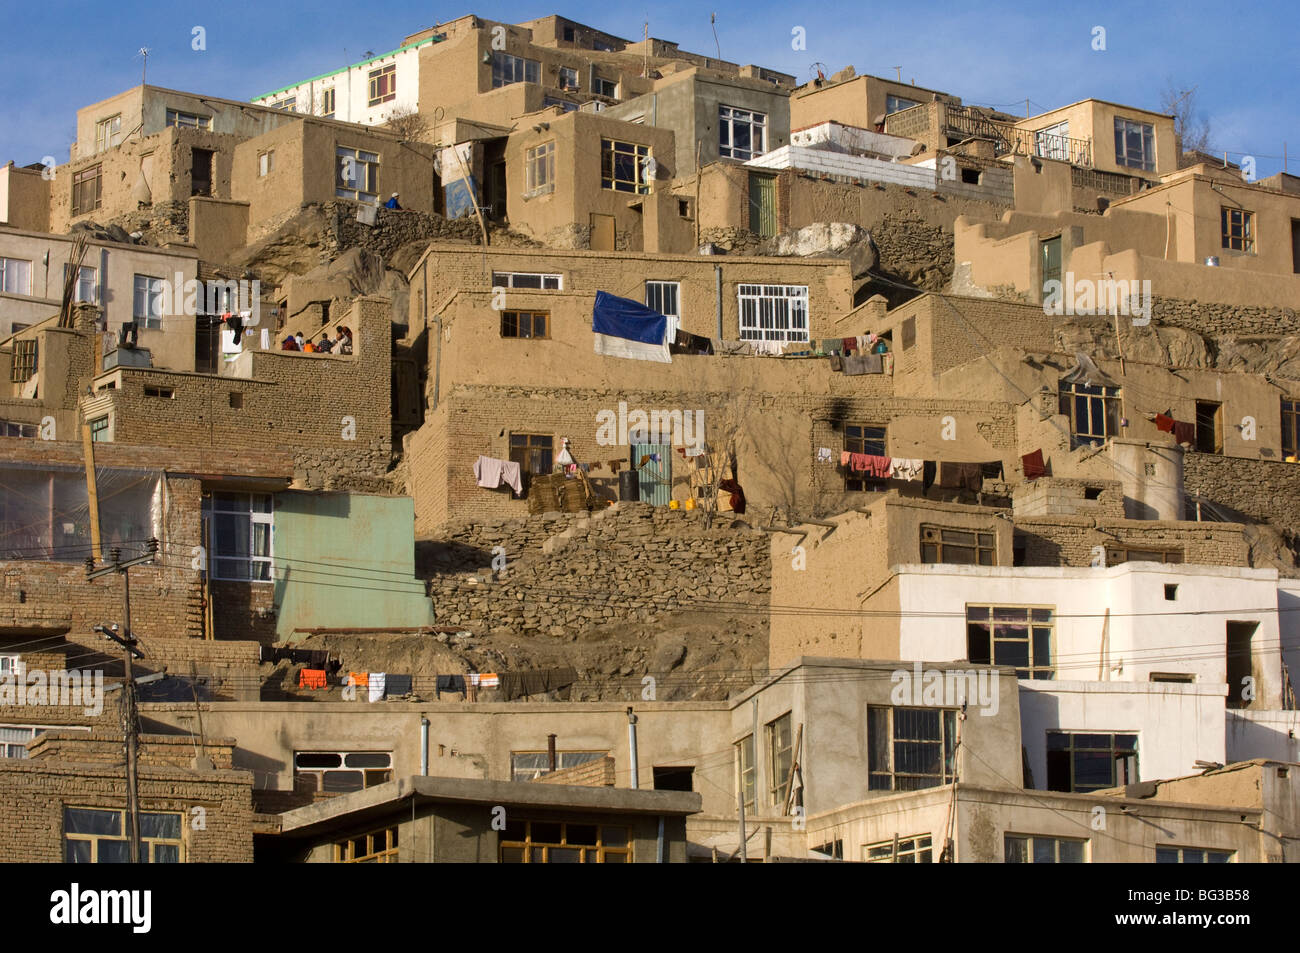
(383, 798)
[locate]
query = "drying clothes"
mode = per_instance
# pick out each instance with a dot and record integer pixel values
(451, 683)
(969, 476)
(858, 364)
(1164, 424)
(489, 679)
(837, 363)
(823, 454)
(849, 344)
(359, 678)
(905, 469)
(737, 494)
(694, 451)
(472, 678)
(1184, 432)
(1032, 464)
(830, 345)
(770, 348)
(376, 684)
(398, 685)
(491, 473)
(513, 685)
(312, 678)
(729, 347)
(871, 465)
(616, 465)
(927, 475)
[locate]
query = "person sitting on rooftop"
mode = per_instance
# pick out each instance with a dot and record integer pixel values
(345, 340)
(301, 342)
(324, 345)
(289, 344)
(393, 203)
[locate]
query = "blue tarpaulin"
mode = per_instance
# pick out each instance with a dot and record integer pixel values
(626, 328)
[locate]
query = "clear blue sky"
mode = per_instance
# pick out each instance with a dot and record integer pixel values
(58, 56)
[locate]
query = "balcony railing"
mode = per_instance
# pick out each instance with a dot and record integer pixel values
(946, 121)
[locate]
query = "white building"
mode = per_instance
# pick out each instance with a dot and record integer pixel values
(1129, 672)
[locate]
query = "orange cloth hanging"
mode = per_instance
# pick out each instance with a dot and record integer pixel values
(359, 679)
(311, 678)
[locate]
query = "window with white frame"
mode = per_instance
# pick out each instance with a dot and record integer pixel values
(1135, 144)
(184, 120)
(604, 87)
(1053, 142)
(906, 850)
(664, 297)
(147, 306)
(527, 279)
(1033, 849)
(530, 765)
(508, 69)
(240, 531)
(327, 100)
(747, 766)
(265, 163)
(910, 748)
(356, 174)
(14, 738)
(85, 288)
(108, 133)
(1192, 855)
(773, 312)
(568, 77)
(337, 771)
(97, 836)
(742, 133)
(15, 276)
(539, 169)
(895, 104)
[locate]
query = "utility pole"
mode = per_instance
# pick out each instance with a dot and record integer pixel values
(144, 52)
(130, 716)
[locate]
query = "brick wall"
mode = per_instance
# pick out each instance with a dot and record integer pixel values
(34, 792)
(1212, 318)
(594, 774)
(1264, 490)
(287, 401)
(1069, 540)
(166, 599)
(633, 562)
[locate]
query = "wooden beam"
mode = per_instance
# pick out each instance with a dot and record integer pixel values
(92, 493)
(794, 762)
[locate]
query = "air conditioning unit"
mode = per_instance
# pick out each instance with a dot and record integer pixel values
(594, 106)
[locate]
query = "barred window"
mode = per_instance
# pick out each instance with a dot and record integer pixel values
(1011, 635)
(773, 312)
(910, 748)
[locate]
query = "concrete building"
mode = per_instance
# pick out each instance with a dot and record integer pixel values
(109, 275)
(440, 820)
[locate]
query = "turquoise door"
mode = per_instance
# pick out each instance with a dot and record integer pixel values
(656, 475)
